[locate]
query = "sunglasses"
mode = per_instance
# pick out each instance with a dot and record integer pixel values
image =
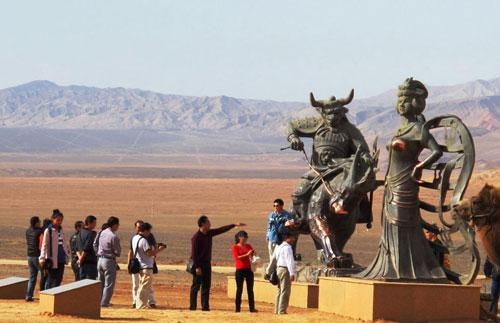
(275, 205)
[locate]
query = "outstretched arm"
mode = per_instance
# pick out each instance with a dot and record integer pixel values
(225, 228)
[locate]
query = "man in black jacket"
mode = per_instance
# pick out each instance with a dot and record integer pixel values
(201, 253)
(87, 259)
(33, 245)
(72, 247)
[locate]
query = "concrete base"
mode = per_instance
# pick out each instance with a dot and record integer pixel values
(13, 288)
(81, 298)
(303, 295)
(371, 300)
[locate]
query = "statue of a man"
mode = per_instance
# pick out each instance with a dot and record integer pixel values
(334, 139)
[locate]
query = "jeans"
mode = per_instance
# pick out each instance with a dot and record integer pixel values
(107, 275)
(204, 281)
(495, 291)
(240, 276)
(33, 268)
(55, 276)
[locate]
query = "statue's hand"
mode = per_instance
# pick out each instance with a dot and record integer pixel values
(296, 144)
(416, 174)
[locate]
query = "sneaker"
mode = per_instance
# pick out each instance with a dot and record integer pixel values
(29, 299)
(253, 310)
(133, 305)
(152, 305)
(205, 309)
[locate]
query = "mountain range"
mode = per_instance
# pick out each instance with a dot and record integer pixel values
(43, 117)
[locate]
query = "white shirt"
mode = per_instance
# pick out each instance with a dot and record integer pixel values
(145, 260)
(284, 257)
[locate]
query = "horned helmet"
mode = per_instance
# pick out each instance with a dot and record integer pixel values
(333, 110)
(411, 97)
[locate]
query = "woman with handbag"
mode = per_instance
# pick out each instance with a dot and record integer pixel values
(243, 253)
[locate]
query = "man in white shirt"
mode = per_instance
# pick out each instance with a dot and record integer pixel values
(145, 253)
(285, 268)
(136, 277)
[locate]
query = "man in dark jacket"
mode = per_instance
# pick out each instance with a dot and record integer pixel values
(87, 259)
(32, 242)
(72, 247)
(201, 253)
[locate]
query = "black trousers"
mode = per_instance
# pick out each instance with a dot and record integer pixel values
(240, 276)
(204, 281)
(87, 271)
(55, 276)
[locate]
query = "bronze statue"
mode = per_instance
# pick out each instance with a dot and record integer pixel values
(404, 254)
(332, 197)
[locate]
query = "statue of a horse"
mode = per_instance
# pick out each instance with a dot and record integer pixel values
(338, 202)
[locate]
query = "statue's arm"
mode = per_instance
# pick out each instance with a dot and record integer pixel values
(306, 127)
(427, 141)
(301, 128)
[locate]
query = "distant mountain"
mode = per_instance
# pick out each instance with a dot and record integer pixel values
(47, 105)
(212, 124)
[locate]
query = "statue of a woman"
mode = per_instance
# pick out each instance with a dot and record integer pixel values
(404, 253)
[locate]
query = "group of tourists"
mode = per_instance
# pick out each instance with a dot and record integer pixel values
(93, 256)
(281, 255)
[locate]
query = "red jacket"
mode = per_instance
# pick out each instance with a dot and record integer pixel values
(241, 263)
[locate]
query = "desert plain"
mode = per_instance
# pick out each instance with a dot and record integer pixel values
(172, 206)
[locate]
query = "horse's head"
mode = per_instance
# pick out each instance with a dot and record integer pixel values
(358, 179)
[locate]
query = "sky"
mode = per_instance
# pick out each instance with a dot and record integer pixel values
(273, 50)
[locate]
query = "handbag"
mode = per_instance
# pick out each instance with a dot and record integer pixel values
(134, 266)
(190, 266)
(273, 277)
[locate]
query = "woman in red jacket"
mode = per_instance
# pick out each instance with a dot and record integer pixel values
(242, 253)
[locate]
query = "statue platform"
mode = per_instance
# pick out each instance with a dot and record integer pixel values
(13, 288)
(81, 298)
(303, 295)
(372, 300)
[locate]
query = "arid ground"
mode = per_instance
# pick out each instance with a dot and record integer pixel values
(172, 206)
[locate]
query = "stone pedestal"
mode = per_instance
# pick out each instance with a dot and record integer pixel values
(13, 288)
(371, 300)
(81, 298)
(303, 295)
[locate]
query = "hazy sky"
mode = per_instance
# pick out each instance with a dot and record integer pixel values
(249, 49)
